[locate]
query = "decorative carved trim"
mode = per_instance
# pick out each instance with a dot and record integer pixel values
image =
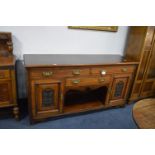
(47, 97)
(119, 89)
(6, 45)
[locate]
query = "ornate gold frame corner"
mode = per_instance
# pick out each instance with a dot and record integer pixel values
(98, 28)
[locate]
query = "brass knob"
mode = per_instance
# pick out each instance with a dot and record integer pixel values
(76, 81)
(46, 74)
(102, 80)
(76, 72)
(103, 72)
(124, 69)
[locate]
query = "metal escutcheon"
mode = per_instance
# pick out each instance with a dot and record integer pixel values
(76, 72)
(124, 69)
(76, 81)
(47, 74)
(102, 80)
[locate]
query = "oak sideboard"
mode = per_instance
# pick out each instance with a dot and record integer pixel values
(68, 84)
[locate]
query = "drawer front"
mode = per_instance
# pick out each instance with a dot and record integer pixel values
(4, 74)
(88, 81)
(112, 70)
(61, 73)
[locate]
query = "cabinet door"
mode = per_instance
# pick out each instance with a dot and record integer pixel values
(119, 89)
(5, 93)
(46, 98)
(148, 87)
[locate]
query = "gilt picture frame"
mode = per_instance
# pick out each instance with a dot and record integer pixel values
(98, 28)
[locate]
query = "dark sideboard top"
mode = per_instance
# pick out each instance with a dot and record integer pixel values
(51, 60)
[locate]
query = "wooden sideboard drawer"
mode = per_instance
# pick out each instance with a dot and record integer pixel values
(60, 73)
(112, 70)
(87, 81)
(4, 74)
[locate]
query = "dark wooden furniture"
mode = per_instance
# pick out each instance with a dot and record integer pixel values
(144, 113)
(65, 84)
(141, 47)
(7, 74)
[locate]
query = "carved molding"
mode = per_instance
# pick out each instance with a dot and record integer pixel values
(6, 45)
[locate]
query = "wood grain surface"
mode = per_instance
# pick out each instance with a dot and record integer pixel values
(144, 113)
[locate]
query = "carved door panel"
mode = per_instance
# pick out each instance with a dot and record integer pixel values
(5, 92)
(46, 98)
(119, 89)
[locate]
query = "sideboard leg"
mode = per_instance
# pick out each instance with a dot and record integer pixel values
(16, 112)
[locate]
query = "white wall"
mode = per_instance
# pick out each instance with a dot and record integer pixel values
(60, 39)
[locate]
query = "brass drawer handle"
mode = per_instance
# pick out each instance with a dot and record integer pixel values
(46, 74)
(101, 80)
(103, 72)
(76, 81)
(124, 69)
(76, 72)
